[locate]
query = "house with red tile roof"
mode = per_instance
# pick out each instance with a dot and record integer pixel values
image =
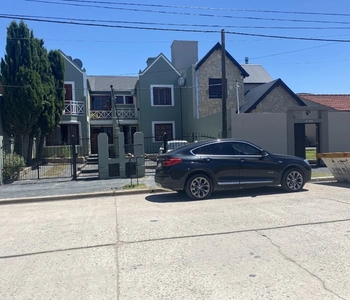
(335, 102)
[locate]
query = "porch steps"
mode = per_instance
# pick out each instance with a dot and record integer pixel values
(90, 168)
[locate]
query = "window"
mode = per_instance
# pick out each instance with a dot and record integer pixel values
(100, 103)
(215, 88)
(162, 95)
(129, 100)
(124, 100)
(63, 135)
(224, 148)
(69, 91)
(246, 149)
(160, 128)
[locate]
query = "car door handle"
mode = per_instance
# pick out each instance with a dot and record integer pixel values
(242, 160)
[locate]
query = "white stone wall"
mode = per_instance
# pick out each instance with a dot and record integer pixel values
(211, 68)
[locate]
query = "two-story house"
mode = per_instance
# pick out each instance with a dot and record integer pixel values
(112, 107)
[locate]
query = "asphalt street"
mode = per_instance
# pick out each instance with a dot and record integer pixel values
(256, 244)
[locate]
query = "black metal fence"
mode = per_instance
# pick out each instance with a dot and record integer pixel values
(59, 161)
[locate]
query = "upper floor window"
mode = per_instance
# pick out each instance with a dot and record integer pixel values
(69, 88)
(162, 95)
(100, 103)
(215, 88)
(124, 99)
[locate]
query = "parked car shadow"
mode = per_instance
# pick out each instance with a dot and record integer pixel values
(244, 193)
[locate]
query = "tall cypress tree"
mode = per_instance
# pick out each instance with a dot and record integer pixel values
(53, 76)
(22, 87)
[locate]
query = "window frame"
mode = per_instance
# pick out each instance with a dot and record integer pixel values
(125, 102)
(170, 86)
(154, 123)
(72, 84)
(217, 93)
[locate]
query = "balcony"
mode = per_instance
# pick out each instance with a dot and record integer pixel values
(74, 107)
(122, 114)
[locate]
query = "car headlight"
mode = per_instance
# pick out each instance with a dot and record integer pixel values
(305, 160)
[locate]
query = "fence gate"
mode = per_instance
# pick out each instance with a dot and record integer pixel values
(55, 161)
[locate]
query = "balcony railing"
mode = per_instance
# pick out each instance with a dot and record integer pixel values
(122, 113)
(126, 113)
(100, 114)
(74, 107)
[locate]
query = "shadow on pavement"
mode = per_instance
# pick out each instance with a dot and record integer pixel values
(244, 193)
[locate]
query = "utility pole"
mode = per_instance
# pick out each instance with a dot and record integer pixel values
(224, 84)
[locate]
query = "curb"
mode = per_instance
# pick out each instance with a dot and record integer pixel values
(327, 178)
(81, 196)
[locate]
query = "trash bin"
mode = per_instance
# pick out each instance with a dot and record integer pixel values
(338, 163)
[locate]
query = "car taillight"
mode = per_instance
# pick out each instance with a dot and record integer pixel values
(171, 161)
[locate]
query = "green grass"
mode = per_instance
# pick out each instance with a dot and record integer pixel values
(320, 174)
(311, 154)
(134, 186)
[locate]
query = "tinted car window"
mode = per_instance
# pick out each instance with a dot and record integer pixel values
(216, 149)
(245, 149)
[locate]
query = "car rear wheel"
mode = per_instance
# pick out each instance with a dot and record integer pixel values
(199, 187)
(293, 180)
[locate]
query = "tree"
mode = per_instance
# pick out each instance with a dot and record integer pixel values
(33, 84)
(22, 87)
(53, 76)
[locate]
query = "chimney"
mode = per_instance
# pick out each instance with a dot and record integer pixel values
(246, 60)
(184, 54)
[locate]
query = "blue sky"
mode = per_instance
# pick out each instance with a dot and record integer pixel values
(304, 65)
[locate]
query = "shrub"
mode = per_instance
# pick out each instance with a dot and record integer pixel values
(13, 165)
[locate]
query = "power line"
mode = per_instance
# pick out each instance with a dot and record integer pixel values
(208, 8)
(181, 24)
(28, 18)
(187, 13)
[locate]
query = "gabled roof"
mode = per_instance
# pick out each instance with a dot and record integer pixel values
(218, 47)
(103, 83)
(160, 56)
(257, 74)
(334, 101)
(254, 96)
(71, 61)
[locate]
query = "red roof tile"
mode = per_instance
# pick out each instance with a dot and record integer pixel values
(335, 101)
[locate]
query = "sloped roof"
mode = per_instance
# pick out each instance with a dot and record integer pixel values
(257, 74)
(334, 101)
(254, 96)
(103, 83)
(218, 47)
(153, 60)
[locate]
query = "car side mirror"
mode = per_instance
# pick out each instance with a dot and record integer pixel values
(264, 153)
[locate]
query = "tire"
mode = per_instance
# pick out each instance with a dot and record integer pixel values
(199, 187)
(293, 180)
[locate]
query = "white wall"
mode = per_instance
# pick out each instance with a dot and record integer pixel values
(339, 131)
(267, 130)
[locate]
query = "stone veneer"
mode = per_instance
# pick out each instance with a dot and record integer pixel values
(278, 100)
(211, 68)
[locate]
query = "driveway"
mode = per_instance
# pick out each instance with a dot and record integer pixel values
(257, 244)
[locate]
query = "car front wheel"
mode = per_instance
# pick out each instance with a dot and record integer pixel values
(293, 180)
(199, 187)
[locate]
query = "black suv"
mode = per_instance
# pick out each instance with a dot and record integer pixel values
(200, 168)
